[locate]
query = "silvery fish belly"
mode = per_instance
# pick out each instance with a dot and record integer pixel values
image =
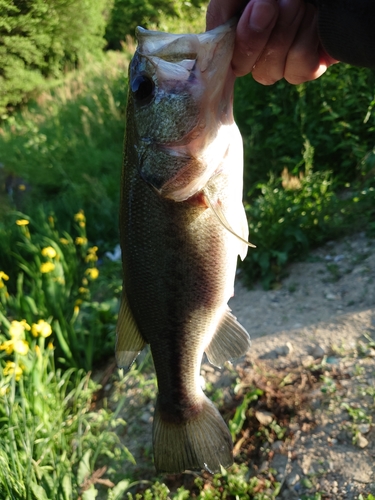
(182, 226)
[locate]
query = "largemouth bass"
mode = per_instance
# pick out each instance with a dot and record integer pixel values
(182, 226)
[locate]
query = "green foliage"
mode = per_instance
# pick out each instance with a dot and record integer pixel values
(39, 38)
(164, 15)
(48, 275)
(285, 222)
(234, 483)
(334, 114)
(50, 440)
(239, 417)
(67, 149)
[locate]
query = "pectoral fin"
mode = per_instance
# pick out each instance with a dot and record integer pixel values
(129, 341)
(230, 341)
(217, 210)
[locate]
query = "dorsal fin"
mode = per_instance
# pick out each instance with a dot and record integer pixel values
(129, 341)
(230, 341)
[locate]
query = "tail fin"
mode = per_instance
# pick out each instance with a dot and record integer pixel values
(200, 443)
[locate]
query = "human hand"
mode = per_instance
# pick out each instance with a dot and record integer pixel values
(274, 39)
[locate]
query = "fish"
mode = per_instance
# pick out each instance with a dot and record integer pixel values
(182, 228)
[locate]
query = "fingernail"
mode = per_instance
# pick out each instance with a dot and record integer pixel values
(261, 16)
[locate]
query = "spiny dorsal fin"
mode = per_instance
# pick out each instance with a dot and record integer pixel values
(216, 208)
(230, 341)
(129, 341)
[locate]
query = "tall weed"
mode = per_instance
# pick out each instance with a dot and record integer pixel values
(51, 441)
(67, 147)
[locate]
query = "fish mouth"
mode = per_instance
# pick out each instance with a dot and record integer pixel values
(198, 66)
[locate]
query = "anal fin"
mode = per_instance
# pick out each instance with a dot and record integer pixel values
(129, 341)
(230, 341)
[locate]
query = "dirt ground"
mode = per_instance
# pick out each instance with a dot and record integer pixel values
(313, 356)
(322, 317)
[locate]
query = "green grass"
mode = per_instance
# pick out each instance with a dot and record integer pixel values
(66, 147)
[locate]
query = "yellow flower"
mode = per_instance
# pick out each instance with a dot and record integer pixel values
(91, 254)
(80, 216)
(50, 346)
(42, 329)
(85, 281)
(11, 368)
(80, 240)
(7, 347)
(83, 290)
(22, 187)
(16, 342)
(17, 329)
(92, 272)
(91, 257)
(37, 351)
(82, 223)
(3, 390)
(22, 222)
(21, 347)
(64, 241)
(3, 277)
(47, 267)
(49, 252)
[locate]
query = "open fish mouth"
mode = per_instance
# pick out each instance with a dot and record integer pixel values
(182, 87)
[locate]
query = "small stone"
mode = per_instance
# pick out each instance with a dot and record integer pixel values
(264, 417)
(331, 296)
(292, 479)
(277, 446)
(146, 417)
(364, 428)
(284, 350)
(337, 258)
(362, 442)
(264, 466)
(318, 351)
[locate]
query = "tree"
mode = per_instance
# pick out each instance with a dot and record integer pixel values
(39, 37)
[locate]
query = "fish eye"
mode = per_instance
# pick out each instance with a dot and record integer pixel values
(143, 89)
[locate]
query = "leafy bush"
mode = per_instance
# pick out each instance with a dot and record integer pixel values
(286, 220)
(164, 15)
(334, 114)
(39, 38)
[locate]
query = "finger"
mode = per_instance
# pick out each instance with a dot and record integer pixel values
(305, 60)
(219, 11)
(270, 66)
(253, 31)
